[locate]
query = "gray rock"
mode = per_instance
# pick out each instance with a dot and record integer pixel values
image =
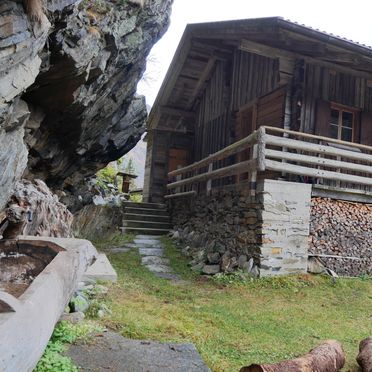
(198, 267)
(74, 318)
(86, 76)
(213, 258)
(255, 272)
(79, 303)
(242, 260)
(248, 266)
(211, 269)
(112, 352)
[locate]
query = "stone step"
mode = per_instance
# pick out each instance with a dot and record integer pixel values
(148, 211)
(145, 205)
(147, 224)
(144, 231)
(145, 217)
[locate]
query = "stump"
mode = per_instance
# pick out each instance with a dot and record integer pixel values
(327, 357)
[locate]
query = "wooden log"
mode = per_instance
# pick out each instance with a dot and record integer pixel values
(180, 195)
(319, 149)
(317, 173)
(319, 138)
(329, 163)
(246, 166)
(364, 357)
(327, 357)
(219, 155)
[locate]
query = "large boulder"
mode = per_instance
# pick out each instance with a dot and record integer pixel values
(67, 86)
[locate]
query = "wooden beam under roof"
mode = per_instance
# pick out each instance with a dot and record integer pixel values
(267, 51)
(204, 76)
(175, 111)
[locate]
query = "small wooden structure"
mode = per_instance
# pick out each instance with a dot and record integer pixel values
(127, 179)
(262, 98)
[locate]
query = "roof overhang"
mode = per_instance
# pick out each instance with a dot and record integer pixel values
(203, 44)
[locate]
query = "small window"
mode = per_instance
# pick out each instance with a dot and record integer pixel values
(342, 124)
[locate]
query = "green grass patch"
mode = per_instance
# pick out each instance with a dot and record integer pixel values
(116, 240)
(65, 333)
(239, 322)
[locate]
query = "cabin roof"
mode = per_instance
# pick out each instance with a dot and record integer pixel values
(202, 44)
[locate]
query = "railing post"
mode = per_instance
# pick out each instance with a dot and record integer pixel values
(261, 149)
(253, 175)
(209, 182)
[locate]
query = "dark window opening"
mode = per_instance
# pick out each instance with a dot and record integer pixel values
(342, 123)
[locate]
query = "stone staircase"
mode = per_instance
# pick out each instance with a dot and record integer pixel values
(146, 218)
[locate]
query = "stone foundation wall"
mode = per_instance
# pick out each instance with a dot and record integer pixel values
(219, 232)
(230, 230)
(342, 228)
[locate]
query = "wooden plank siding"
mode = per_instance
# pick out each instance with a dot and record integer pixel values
(322, 83)
(253, 76)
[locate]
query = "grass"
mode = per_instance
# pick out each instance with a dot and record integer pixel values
(236, 324)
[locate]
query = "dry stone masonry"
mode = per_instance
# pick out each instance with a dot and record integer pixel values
(262, 235)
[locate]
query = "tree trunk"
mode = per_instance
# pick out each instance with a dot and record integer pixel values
(327, 357)
(365, 355)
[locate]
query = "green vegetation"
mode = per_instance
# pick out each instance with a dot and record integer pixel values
(234, 322)
(116, 240)
(65, 333)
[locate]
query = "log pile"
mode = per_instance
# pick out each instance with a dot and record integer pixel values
(327, 357)
(340, 228)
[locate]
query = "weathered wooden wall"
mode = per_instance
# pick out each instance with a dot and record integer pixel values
(159, 144)
(322, 83)
(253, 76)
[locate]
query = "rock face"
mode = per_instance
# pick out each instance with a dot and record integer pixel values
(34, 210)
(67, 86)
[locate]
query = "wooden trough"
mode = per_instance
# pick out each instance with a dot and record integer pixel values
(34, 293)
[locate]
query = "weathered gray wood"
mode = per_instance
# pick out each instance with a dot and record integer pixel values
(320, 149)
(180, 195)
(317, 173)
(261, 149)
(320, 138)
(227, 151)
(334, 256)
(246, 166)
(330, 163)
(177, 112)
(267, 51)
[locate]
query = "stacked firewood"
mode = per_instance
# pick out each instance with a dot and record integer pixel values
(343, 229)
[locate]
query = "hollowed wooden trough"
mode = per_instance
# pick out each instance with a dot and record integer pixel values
(37, 279)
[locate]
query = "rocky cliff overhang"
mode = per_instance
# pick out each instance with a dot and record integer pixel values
(67, 86)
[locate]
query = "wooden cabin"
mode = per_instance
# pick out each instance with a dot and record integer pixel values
(262, 98)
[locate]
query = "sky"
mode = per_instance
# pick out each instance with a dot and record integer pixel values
(350, 19)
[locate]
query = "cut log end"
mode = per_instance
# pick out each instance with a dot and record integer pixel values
(327, 357)
(364, 358)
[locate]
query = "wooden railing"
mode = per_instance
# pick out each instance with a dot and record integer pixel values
(297, 156)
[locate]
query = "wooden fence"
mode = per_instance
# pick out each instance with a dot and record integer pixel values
(293, 155)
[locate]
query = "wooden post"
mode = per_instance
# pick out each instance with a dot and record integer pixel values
(209, 182)
(253, 173)
(261, 149)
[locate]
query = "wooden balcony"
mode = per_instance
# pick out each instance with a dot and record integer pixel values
(330, 165)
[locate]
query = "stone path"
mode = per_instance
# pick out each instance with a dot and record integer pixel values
(151, 250)
(112, 352)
